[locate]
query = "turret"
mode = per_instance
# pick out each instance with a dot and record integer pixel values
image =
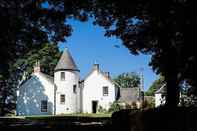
(66, 78)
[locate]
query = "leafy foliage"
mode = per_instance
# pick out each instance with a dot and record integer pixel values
(102, 110)
(114, 107)
(48, 57)
(155, 86)
(128, 80)
(160, 28)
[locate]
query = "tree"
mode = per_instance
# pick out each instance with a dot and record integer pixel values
(48, 57)
(160, 28)
(128, 80)
(155, 86)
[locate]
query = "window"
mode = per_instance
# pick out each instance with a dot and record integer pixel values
(74, 88)
(43, 106)
(62, 76)
(62, 99)
(105, 91)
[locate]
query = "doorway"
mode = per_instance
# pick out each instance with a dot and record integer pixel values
(94, 106)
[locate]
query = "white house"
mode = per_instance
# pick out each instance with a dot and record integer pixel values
(42, 94)
(97, 91)
(160, 96)
(36, 95)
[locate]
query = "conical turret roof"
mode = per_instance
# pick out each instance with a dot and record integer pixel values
(66, 62)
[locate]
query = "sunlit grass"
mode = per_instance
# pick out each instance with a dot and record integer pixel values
(90, 115)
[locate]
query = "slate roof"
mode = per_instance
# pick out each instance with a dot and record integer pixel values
(66, 62)
(129, 95)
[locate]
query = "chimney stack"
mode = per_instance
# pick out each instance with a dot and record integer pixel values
(37, 67)
(107, 74)
(96, 67)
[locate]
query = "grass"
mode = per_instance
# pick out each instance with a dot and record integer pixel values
(72, 117)
(98, 115)
(74, 122)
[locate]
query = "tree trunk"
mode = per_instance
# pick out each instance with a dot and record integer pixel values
(173, 92)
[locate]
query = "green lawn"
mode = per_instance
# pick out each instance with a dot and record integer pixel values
(67, 116)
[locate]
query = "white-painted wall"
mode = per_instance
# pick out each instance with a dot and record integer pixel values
(93, 91)
(65, 87)
(32, 92)
(159, 99)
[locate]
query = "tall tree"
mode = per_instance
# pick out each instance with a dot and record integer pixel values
(161, 28)
(128, 80)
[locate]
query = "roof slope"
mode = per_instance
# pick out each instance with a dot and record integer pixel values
(45, 76)
(48, 77)
(161, 90)
(129, 95)
(66, 62)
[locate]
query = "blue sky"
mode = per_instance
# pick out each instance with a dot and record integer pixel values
(88, 44)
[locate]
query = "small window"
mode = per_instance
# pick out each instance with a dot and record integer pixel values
(105, 91)
(43, 106)
(62, 76)
(62, 99)
(74, 88)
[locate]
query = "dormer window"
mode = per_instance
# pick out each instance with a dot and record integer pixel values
(62, 76)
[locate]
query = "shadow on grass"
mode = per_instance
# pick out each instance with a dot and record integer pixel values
(60, 123)
(157, 119)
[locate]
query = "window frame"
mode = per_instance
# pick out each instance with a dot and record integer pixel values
(75, 89)
(105, 90)
(44, 106)
(62, 97)
(62, 76)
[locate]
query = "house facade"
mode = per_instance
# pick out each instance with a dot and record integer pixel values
(160, 96)
(64, 93)
(98, 90)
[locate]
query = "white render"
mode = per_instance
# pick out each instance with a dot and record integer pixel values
(32, 92)
(159, 99)
(65, 87)
(41, 87)
(93, 91)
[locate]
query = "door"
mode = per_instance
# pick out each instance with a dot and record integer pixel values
(94, 106)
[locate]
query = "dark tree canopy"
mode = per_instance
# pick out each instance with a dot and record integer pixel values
(163, 29)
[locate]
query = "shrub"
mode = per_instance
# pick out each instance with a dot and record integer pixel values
(101, 109)
(114, 107)
(147, 104)
(127, 106)
(134, 105)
